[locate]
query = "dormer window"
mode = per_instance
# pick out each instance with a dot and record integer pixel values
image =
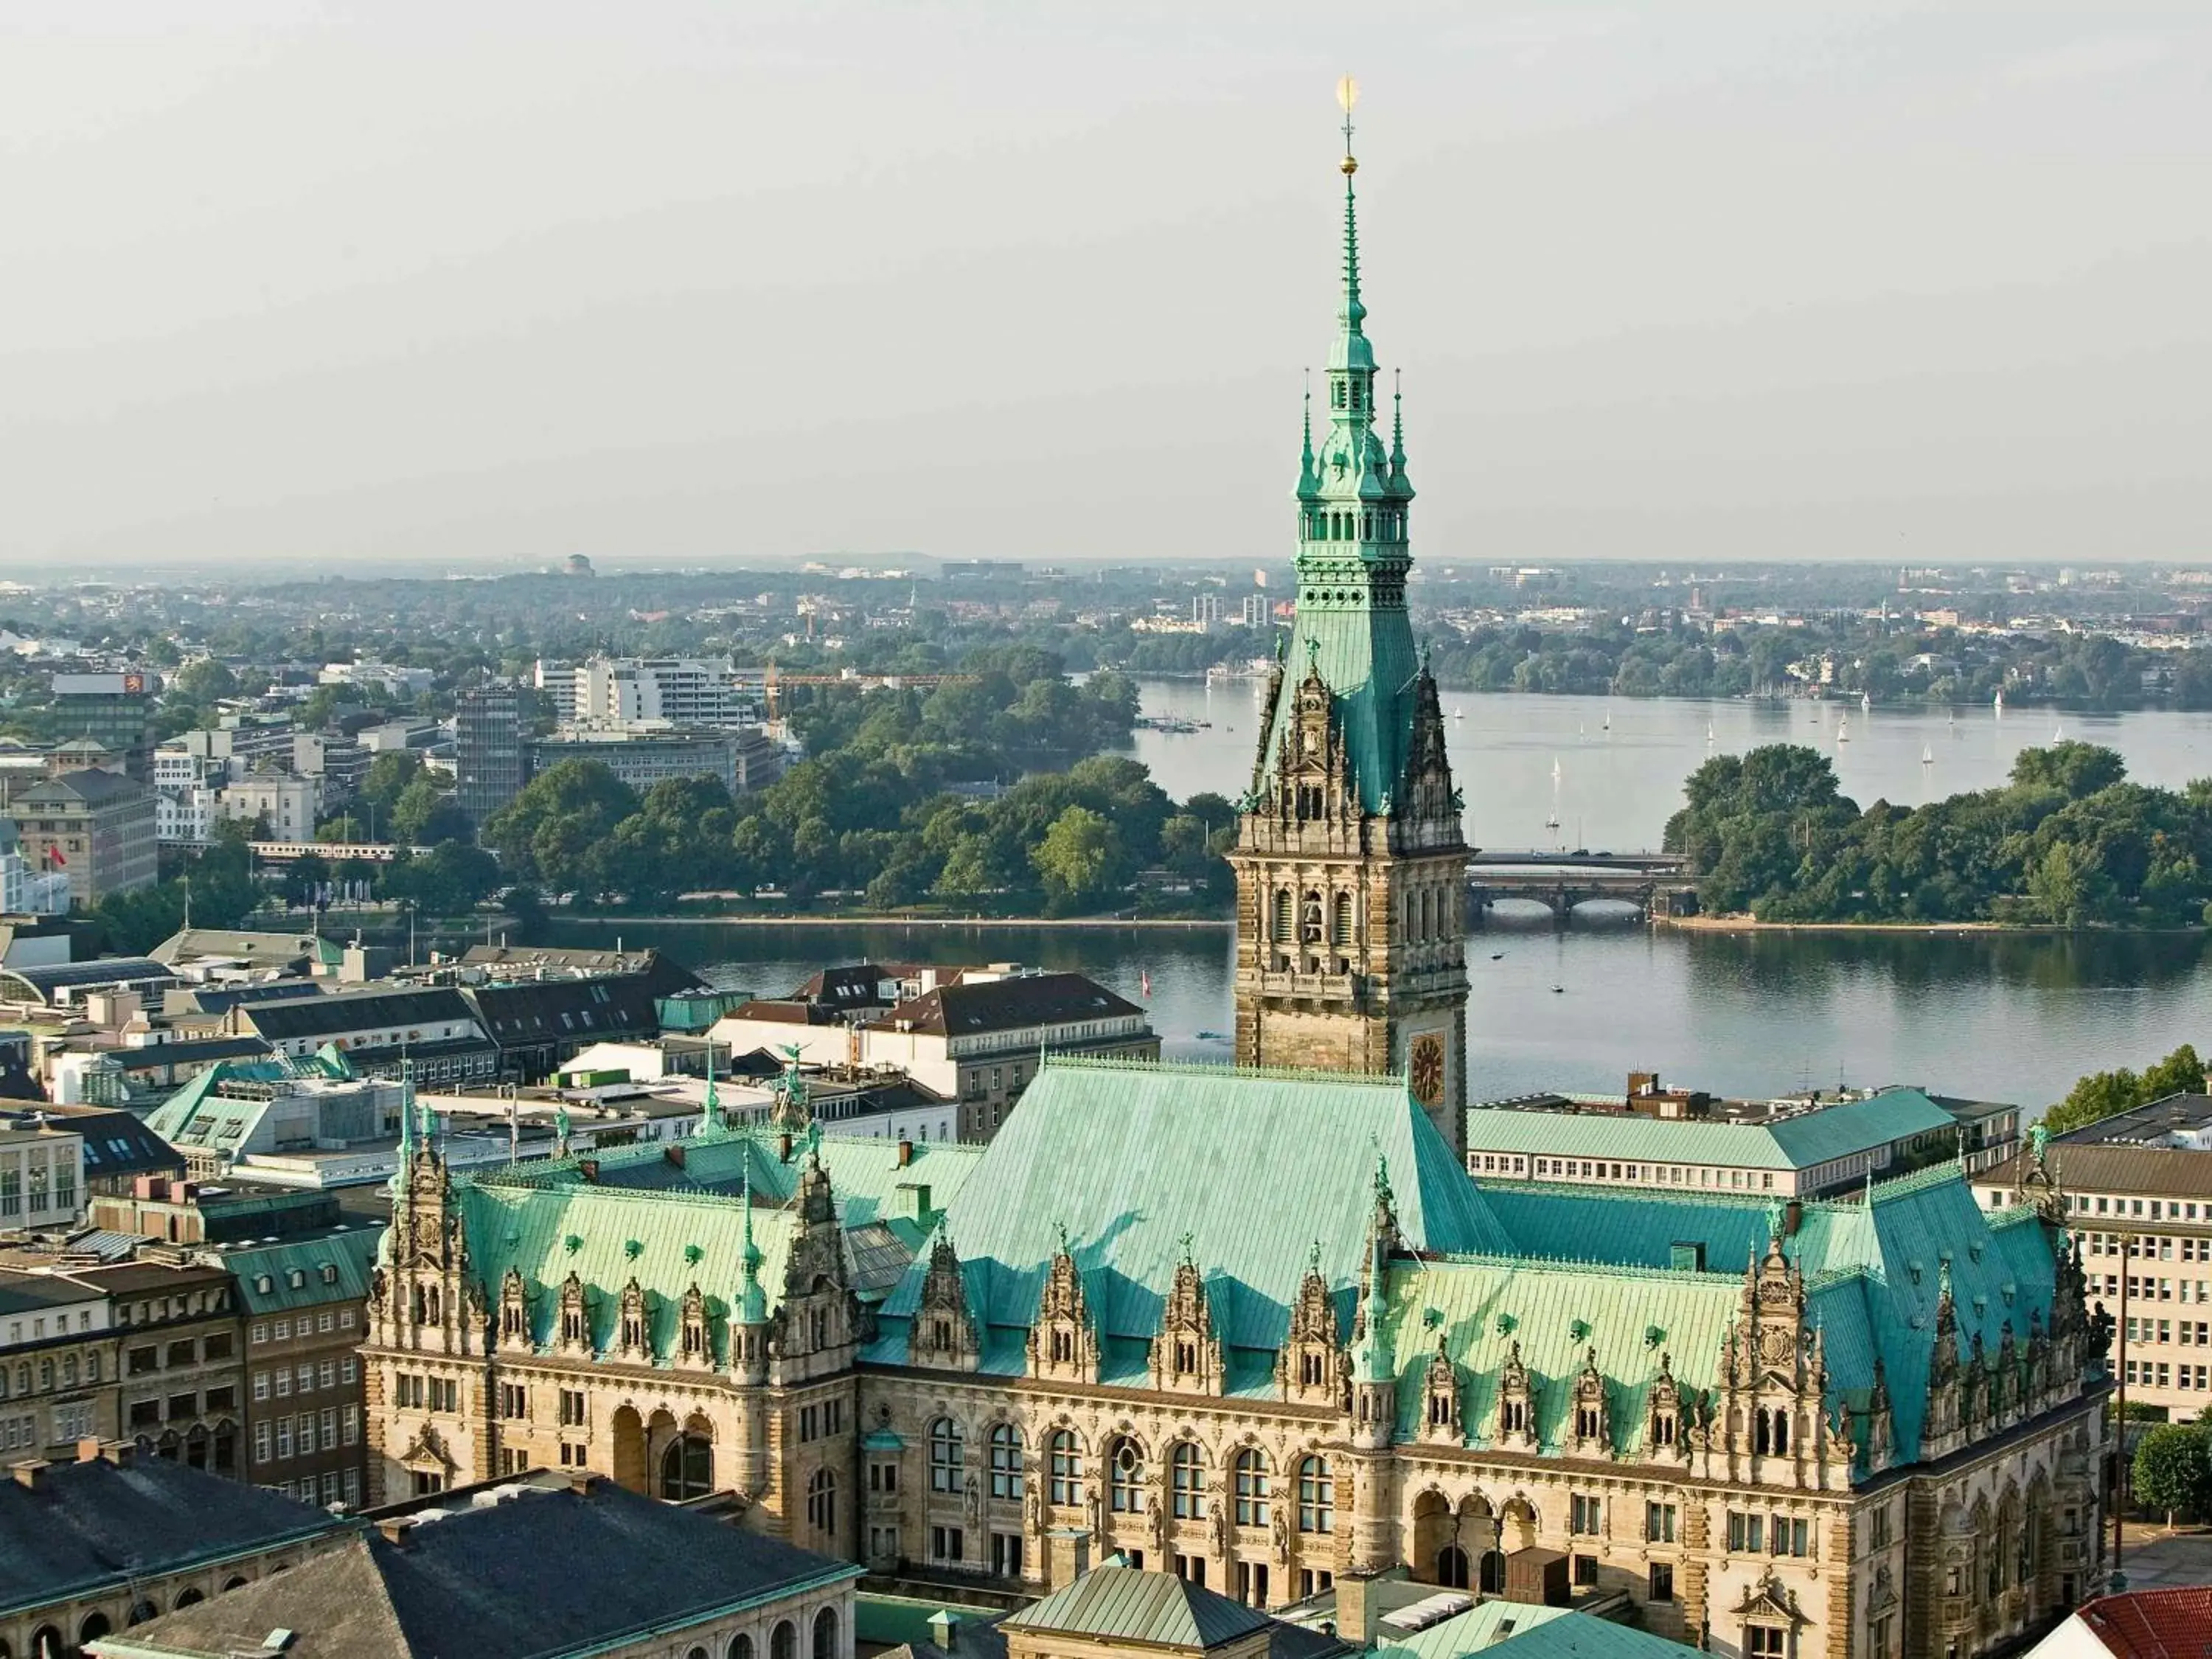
(1663, 1429)
(1587, 1419)
(1186, 1357)
(1513, 1417)
(1311, 1370)
(1063, 1346)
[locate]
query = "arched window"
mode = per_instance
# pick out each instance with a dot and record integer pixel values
(1316, 1496)
(687, 1468)
(69, 1372)
(1066, 1463)
(95, 1625)
(1451, 1567)
(822, 1501)
(190, 1598)
(1252, 1488)
(46, 1376)
(741, 1647)
(1006, 1461)
(1493, 1573)
(825, 1634)
(1186, 1481)
(783, 1641)
(1125, 1478)
(948, 1454)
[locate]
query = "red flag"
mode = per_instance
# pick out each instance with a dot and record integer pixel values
(54, 856)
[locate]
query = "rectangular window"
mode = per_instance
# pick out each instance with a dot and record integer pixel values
(948, 1545)
(1659, 1523)
(1746, 1532)
(326, 1374)
(261, 1443)
(329, 1420)
(1661, 1585)
(513, 1399)
(283, 1438)
(1764, 1642)
(351, 1419)
(1585, 1516)
(346, 1371)
(261, 1385)
(1788, 1534)
(1007, 1554)
(139, 1361)
(1585, 1570)
(572, 1408)
(284, 1384)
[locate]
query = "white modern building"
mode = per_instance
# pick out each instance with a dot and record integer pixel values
(617, 693)
(41, 1177)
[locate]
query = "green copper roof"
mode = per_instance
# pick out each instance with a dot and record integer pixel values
(1793, 1143)
(1521, 1630)
(669, 1226)
(1556, 1312)
(1871, 1268)
(1252, 1165)
(1354, 500)
(1158, 1609)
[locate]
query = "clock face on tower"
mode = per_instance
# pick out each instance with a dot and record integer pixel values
(1426, 1068)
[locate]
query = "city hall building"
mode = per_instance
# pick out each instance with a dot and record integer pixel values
(1259, 1325)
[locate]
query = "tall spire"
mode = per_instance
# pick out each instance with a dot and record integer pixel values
(406, 1113)
(710, 1114)
(1350, 314)
(752, 1300)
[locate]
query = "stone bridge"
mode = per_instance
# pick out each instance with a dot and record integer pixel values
(1656, 884)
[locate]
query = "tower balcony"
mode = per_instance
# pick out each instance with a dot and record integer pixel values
(1273, 983)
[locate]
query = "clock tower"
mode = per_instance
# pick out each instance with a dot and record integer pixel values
(1351, 862)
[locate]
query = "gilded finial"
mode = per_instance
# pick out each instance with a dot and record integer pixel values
(1347, 94)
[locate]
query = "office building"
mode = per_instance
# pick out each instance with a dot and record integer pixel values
(490, 764)
(116, 711)
(97, 827)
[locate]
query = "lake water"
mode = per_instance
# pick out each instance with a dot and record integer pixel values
(2010, 1016)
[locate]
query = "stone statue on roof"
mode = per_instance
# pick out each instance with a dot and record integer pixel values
(791, 1113)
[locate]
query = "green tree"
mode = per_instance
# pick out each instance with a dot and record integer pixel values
(2075, 770)
(205, 681)
(425, 813)
(550, 832)
(2173, 1471)
(1079, 860)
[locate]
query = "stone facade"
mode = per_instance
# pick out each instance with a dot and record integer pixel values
(1758, 1517)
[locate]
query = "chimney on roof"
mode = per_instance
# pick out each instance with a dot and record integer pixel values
(945, 1629)
(395, 1528)
(1792, 1216)
(905, 1153)
(30, 1473)
(674, 1153)
(121, 1453)
(581, 1481)
(783, 1147)
(588, 1168)
(87, 1450)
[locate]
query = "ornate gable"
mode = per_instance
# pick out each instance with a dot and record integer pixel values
(1441, 1424)
(943, 1332)
(514, 1331)
(1309, 1369)
(633, 1326)
(1589, 1432)
(1062, 1342)
(1187, 1354)
(1516, 1403)
(573, 1333)
(1425, 793)
(695, 1336)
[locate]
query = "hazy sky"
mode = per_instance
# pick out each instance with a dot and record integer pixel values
(323, 286)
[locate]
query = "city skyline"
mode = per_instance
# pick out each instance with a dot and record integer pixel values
(1853, 283)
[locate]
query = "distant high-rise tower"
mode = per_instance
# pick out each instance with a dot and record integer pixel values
(1351, 862)
(490, 764)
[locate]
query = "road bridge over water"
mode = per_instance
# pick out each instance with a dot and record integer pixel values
(1656, 884)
